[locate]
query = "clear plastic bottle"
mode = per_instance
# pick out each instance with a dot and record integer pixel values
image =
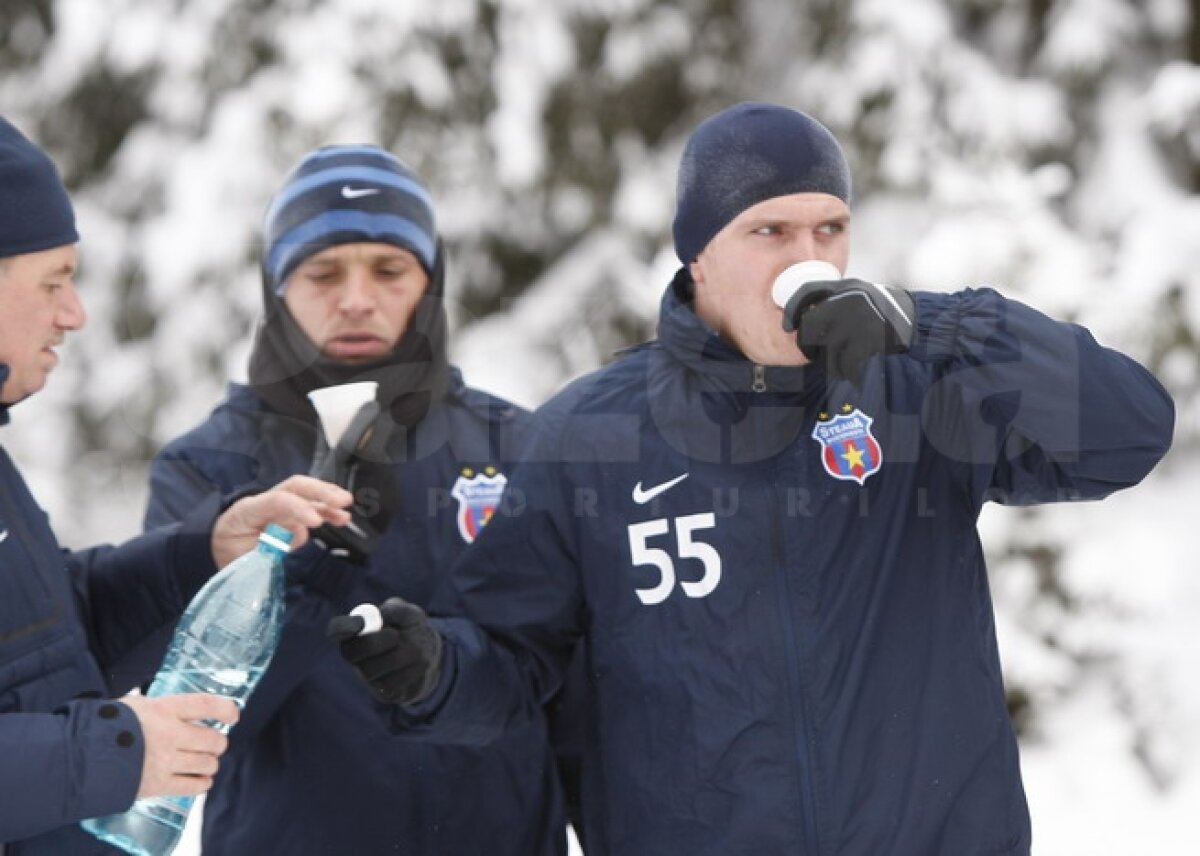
(222, 645)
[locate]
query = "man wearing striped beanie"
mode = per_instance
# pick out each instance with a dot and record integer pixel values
(352, 285)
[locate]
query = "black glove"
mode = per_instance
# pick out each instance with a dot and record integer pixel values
(843, 323)
(359, 464)
(402, 661)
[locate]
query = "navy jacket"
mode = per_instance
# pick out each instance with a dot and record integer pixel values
(311, 767)
(65, 752)
(790, 636)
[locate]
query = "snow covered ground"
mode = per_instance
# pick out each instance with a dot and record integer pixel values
(1097, 785)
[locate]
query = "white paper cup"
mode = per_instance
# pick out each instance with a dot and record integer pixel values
(336, 406)
(792, 278)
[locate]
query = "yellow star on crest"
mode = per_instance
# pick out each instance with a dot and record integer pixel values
(846, 408)
(853, 456)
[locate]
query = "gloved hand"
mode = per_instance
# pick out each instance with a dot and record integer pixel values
(400, 658)
(360, 464)
(843, 323)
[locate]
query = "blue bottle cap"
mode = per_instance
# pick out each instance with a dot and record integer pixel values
(276, 536)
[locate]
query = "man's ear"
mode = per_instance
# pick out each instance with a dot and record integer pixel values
(697, 271)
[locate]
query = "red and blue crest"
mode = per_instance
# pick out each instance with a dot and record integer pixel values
(478, 498)
(849, 451)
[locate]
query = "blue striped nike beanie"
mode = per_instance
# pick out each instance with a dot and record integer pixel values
(745, 155)
(347, 194)
(35, 211)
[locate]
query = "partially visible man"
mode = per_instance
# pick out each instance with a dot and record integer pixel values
(69, 750)
(352, 289)
(783, 594)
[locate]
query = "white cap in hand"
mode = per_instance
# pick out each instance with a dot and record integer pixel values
(371, 617)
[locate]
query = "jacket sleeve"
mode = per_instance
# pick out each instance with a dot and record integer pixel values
(1035, 408)
(176, 487)
(88, 762)
(135, 593)
(521, 608)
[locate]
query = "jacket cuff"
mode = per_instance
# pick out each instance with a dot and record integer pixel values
(322, 573)
(428, 707)
(110, 753)
(938, 319)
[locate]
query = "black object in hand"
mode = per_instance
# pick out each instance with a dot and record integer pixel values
(843, 323)
(400, 662)
(360, 464)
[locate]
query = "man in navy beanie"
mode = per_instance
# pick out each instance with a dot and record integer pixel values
(762, 524)
(745, 155)
(353, 290)
(69, 751)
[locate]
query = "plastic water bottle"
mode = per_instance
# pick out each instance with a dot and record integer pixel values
(222, 645)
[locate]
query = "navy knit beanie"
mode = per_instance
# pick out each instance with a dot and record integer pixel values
(346, 194)
(744, 155)
(35, 211)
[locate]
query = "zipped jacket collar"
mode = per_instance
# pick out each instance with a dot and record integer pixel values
(691, 341)
(709, 401)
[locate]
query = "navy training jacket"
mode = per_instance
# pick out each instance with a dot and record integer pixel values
(791, 641)
(66, 753)
(311, 767)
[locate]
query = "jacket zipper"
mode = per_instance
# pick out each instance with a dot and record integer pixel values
(795, 675)
(804, 778)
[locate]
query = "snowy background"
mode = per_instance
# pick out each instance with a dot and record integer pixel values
(1050, 148)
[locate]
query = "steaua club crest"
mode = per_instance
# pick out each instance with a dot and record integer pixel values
(849, 450)
(478, 496)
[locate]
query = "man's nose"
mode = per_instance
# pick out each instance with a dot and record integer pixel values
(71, 314)
(358, 295)
(804, 247)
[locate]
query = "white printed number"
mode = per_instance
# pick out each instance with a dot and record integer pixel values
(689, 548)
